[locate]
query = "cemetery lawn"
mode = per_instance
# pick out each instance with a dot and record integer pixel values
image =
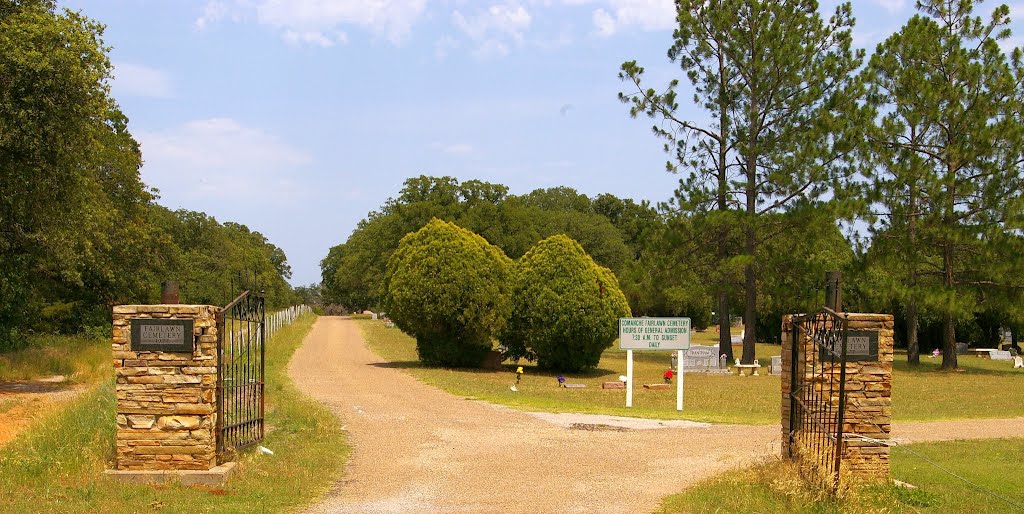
(57, 465)
(985, 389)
(775, 486)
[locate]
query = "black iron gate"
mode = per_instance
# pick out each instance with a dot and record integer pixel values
(240, 386)
(818, 391)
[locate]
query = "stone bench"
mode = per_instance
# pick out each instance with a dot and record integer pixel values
(747, 369)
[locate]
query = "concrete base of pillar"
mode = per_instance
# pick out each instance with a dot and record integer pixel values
(214, 477)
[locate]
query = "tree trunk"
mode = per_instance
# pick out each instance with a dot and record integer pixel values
(1013, 339)
(724, 334)
(913, 348)
(949, 330)
(750, 279)
(724, 312)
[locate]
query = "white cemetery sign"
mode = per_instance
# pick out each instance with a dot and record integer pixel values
(654, 334)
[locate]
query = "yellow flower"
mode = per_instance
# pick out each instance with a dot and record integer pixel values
(519, 370)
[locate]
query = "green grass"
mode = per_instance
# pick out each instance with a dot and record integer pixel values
(775, 486)
(985, 389)
(81, 359)
(707, 397)
(57, 465)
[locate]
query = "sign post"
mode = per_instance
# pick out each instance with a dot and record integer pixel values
(654, 334)
(679, 382)
(629, 378)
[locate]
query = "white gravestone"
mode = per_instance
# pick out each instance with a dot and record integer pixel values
(1000, 355)
(776, 367)
(1018, 362)
(700, 358)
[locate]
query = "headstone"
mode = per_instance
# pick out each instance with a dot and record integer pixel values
(700, 358)
(1018, 362)
(492, 360)
(658, 386)
(1000, 355)
(723, 362)
(739, 338)
(674, 361)
(961, 348)
(776, 367)
(613, 385)
(574, 386)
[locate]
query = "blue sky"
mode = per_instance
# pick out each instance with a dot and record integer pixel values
(298, 117)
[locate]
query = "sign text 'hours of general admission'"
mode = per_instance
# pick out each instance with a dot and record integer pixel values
(654, 333)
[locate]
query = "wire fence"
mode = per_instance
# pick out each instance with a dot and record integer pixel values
(893, 443)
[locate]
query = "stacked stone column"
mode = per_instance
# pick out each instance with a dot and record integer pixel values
(867, 419)
(166, 402)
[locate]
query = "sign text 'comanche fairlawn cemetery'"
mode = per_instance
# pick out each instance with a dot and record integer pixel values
(654, 333)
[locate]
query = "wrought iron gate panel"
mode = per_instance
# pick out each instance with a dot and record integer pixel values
(818, 390)
(240, 385)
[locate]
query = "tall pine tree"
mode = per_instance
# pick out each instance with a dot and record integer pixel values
(947, 155)
(777, 83)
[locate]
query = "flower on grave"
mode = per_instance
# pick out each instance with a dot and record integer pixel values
(519, 370)
(561, 380)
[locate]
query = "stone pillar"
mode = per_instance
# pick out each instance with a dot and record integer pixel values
(868, 389)
(166, 400)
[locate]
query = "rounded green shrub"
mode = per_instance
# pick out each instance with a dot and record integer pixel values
(448, 288)
(565, 307)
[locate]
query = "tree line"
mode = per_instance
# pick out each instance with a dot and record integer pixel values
(79, 230)
(920, 142)
(902, 169)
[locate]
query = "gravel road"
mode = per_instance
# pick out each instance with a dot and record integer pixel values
(419, 449)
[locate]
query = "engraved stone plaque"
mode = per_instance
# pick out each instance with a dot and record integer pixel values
(162, 335)
(861, 345)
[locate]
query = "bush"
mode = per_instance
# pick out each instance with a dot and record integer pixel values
(565, 307)
(448, 288)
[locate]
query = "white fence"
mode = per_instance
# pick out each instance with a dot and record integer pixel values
(284, 317)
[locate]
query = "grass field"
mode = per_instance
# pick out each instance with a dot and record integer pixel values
(775, 486)
(57, 465)
(79, 358)
(985, 389)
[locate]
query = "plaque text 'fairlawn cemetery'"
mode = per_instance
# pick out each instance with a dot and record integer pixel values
(162, 335)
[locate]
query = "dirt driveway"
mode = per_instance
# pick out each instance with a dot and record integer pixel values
(419, 449)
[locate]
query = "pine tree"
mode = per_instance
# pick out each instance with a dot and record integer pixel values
(777, 83)
(947, 157)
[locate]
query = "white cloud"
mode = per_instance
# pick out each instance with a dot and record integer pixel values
(313, 37)
(494, 27)
(649, 15)
(312, 21)
(893, 6)
(220, 157)
(138, 80)
(604, 23)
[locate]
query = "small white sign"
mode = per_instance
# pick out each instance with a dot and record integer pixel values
(654, 333)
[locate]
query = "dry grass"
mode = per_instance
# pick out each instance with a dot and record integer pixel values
(81, 359)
